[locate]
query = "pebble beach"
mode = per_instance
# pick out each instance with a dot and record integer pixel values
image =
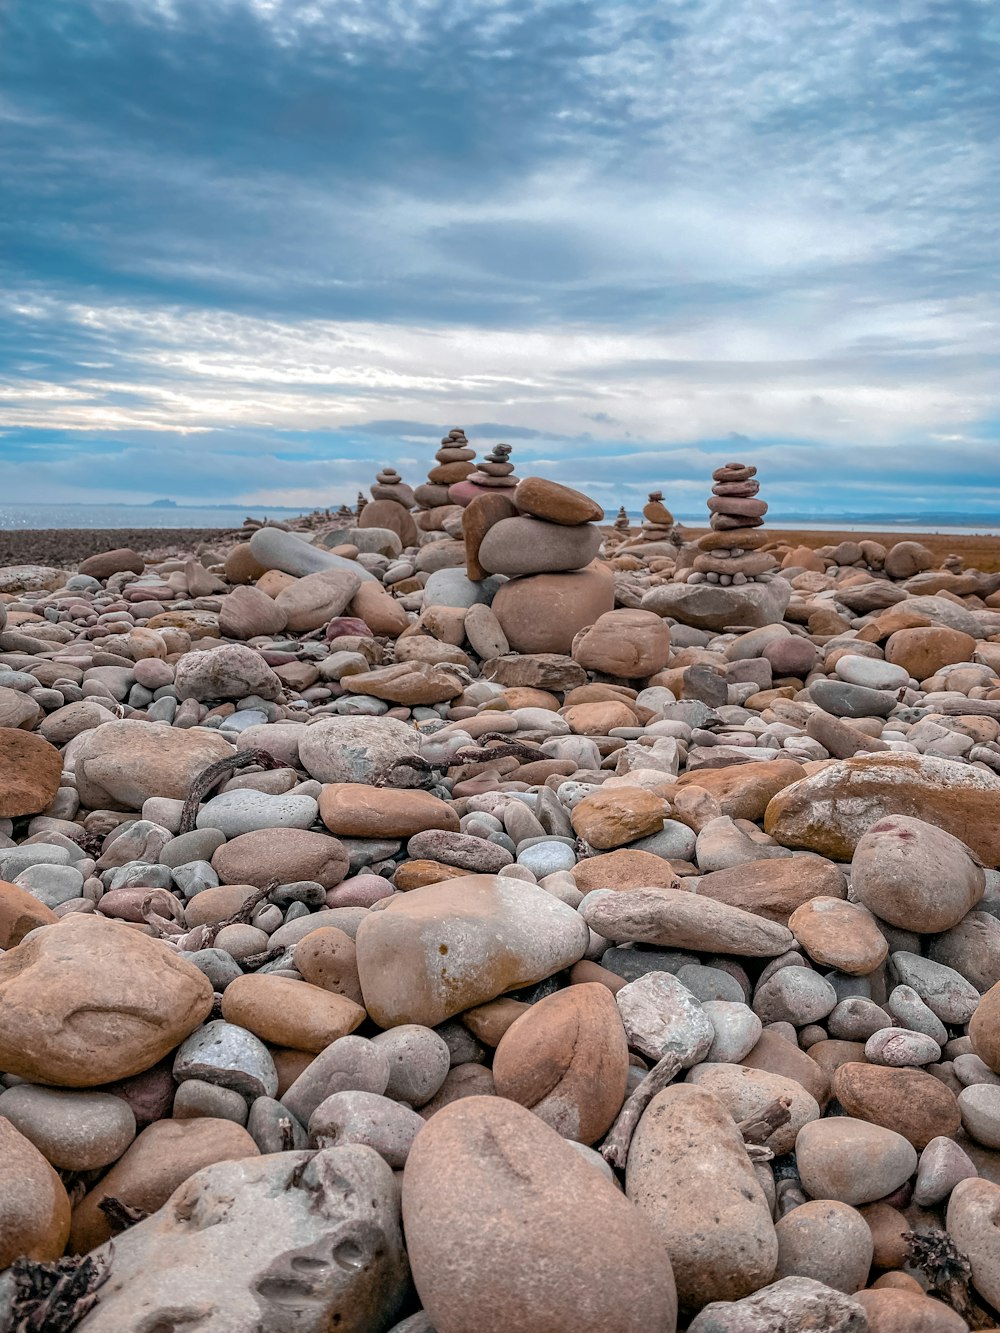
(472, 912)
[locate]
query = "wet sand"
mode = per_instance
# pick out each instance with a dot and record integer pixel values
(65, 547)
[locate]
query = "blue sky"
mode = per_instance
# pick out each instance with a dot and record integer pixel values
(250, 249)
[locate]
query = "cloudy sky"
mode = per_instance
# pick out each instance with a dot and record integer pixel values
(250, 249)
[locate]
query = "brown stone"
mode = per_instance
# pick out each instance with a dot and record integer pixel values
(598, 719)
(488, 1022)
(284, 854)
(566, 1059)
(392, 515)
(774, 888)
(119, 765)
(744, 790)
(633, 644)
(162, 1157)
(419, 873)
(984, 1029)
(34, 1205)
(436, 951)
(922, 652)
(481, 514)
(689, 1174)
(378, 609)
(854, 1161)
(327, 958)
(915, 875)
(241, 566)
(410, 683)
(839, 934)
(778, 1056)
(289, 1013)
(247, 612)
(555, 503)
(609, 819)
(30, 769)
(20, 911)
(909, 1101)
(628, 868)
(829, 810)
(897, 1311)
(543, 612)
(355, 810)
(313, 601)
(90, 1001)
(564, 1250)
(122, 560)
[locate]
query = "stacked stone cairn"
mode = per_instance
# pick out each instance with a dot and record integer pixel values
(730, 554)
(621, 523)
(543, 538)
(390, 506)
(454, 464)
(495, 475)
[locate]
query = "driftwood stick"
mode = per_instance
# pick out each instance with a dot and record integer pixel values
(758, 1128)
(209, 778)
(615, 1147)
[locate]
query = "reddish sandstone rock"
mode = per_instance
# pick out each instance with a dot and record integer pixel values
(629, 643)
(555, 503)
(34, 1205)
(90, 1001)
(627, 868)
(355, 810)
(909, 1101)
(543, 612)
(744, 790)
(30, 769)
(566, 1059)
(608, 819)
(20, 911)
(774, 889)
(921, 652)
(289, 1013)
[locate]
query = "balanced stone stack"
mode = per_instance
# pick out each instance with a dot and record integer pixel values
(495, 475)
(658, 526)
(730, 553)
(621, 523)
(543, 537)
(390, 506)
(360, 504)
(454, 464)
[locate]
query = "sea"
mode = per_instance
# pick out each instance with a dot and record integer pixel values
(31, 516)
(37, 515)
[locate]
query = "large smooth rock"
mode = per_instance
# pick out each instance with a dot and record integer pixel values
(557, 1246)
(680, 920)
(355, 810)
(711, 606)
(543, 613)
(686, 1152)
(313, 601)
(294, 1240)
(746, 1092)
(231, 671)
(909, 1101)
(566, 1059)
(628, 643)
(852, 1160)
(120, 765)
(284, 854)
(555, 503)
(89, 1001)
(829, 811)
(273, 548)
(30, 769)
(974, 1226)
(356, 749)
(34, 1206)
(75, 1131)
(774, 888)
(435, 951)
(916, 876)
(531, 546)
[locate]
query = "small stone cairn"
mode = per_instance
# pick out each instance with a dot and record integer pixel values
(730, 554)
(390, 507)
(454, 464)
(494, 476)
(621, 524)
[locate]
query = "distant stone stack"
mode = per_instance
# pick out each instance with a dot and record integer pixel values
(345, 514)
(390, 507)
(730, 554)
(543, 537)
(493, 476)
(454, 464)
(622, 523)
(360, 504)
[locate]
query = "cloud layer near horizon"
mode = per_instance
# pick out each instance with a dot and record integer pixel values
(250, 247)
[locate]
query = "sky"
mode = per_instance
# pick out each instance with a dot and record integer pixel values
(250, 250)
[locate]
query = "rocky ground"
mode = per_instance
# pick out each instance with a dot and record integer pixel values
(501, 929)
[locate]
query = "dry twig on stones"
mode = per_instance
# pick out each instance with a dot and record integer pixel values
(209, 778)
(615, 1147)
(55, 1298)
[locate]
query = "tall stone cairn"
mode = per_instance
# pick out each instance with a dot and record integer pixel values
(730, 554)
